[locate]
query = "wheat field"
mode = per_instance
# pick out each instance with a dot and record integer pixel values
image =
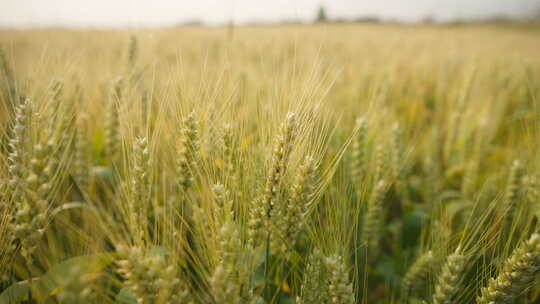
(330, 163)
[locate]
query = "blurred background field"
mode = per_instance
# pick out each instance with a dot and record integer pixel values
(355, 62)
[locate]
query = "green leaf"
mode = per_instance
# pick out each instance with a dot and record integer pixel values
(387, 270)
(102, 174)
(412, 225)
(125, 297)
(159, 250)
(56, 276)
(16, 293)
(98, 145)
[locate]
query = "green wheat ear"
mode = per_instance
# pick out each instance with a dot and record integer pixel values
(29, 186)
(397, 153)
(416, 274)
(447, 287)
(374, 219)
(358, 154)
(141, 188)
(18, 145)
(112, 125)
(512, 191)
(82, 162)
(339, 287)
(229, 156)
(262, 207)
(132, 52)
(186, 161)
(379, 161)
(227, 279)
(150, 277)
(314, 289)
(288, 218)
(7, 78)
(516, 275)
(32, 209)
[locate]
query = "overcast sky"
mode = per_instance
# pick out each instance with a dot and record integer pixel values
(105, 13)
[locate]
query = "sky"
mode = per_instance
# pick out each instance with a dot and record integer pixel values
(135, 13)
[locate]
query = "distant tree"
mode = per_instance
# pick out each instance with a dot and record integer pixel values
(428, 19)
(367, 19)
(192, 22)
(321, 14)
